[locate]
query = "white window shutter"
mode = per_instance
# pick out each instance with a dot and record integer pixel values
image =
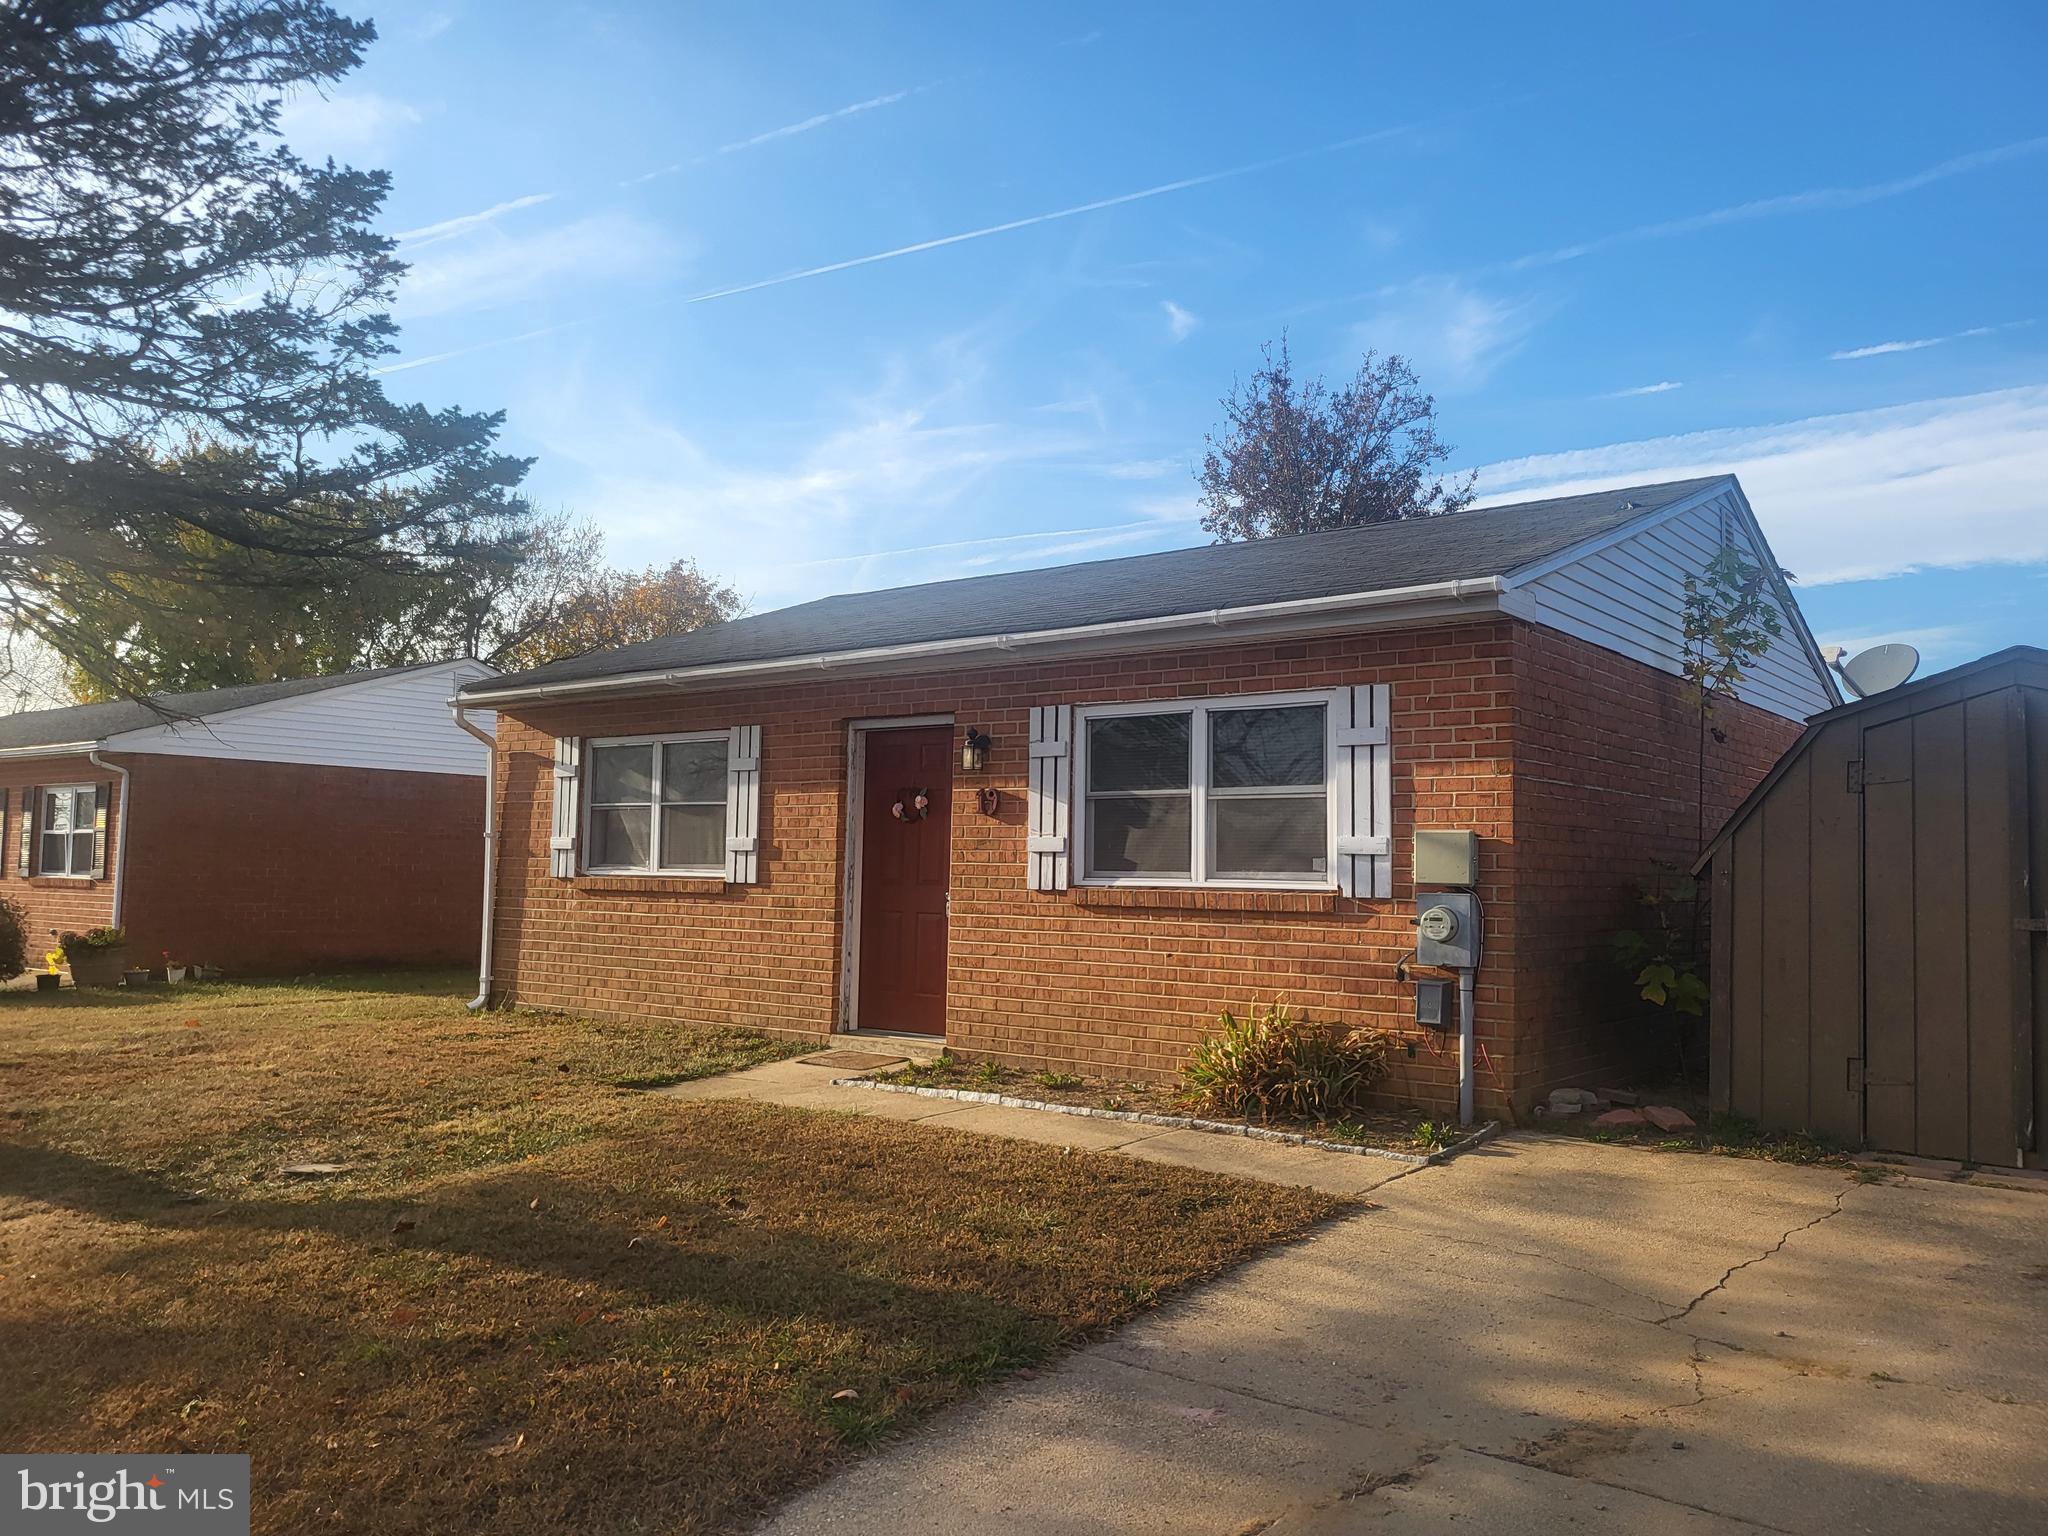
(31, 829)
(1365, 792)
(1050, 795)
(102, 800)
(568, 777)
(743, 806)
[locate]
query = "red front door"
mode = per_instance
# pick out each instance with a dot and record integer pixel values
(904, 862)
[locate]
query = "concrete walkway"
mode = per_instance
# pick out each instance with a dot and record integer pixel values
(1541, 1335)
(799, 1083)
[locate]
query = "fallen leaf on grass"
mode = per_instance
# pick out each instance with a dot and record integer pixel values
(585, 1316)
(506, 1446)
(403, 1316)
(533, 1204)
(845, 1395)
(660, 1222)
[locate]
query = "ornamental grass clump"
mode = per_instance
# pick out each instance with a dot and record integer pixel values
(1271, 1064)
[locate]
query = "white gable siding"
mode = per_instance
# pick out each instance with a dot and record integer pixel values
(399, 722)
(1630, 597)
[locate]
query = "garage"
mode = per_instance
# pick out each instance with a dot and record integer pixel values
(1877, 970)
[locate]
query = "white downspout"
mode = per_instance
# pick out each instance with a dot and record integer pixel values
(120, 831)
(483, 964)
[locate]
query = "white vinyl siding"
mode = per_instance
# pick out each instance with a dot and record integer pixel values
(1629, 596)
(1226, 792)
(397, 722)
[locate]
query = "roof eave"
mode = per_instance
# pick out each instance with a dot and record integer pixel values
(1430, 601)
(52, 749)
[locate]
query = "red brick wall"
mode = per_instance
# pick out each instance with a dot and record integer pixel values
(1606, 784)
(275, 868)
(1119, 982)
(1123, 982)
(54, 902)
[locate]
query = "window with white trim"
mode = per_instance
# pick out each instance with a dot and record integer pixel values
(656, 805)
(65, 825)
(1232, 791)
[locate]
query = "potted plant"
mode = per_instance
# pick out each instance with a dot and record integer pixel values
(97, 957)
(51, 976)
(137, 976)
(173, 971)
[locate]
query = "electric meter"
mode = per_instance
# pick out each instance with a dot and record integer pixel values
(1447, 930)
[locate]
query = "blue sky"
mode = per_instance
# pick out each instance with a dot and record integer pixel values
(1804, 243)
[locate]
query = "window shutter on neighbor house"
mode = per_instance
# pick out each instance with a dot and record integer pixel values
(1365, 792)
(562, 841)
(102, 799)
(743, 806)
(1050, 795)
(31, 810)
(6, 796)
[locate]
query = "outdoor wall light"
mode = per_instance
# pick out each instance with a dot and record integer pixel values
(974, 751)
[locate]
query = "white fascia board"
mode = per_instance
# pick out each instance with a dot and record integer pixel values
(1432, 602)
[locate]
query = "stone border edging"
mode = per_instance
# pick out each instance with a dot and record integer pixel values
(1180, 1122)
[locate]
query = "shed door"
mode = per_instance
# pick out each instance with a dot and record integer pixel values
(904, 865)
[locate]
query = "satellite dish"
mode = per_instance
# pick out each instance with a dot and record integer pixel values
(1875, 670)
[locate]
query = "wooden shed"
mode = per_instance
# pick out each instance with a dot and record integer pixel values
(1877, 967)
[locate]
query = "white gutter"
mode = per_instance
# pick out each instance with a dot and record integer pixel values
(483, 963)
(1460, 590)
(52, 749)
(120, 831)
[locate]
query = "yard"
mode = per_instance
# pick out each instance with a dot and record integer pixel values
(533, 1297)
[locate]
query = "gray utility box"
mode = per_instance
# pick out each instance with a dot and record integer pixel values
(1446, 858)
(1447, 929)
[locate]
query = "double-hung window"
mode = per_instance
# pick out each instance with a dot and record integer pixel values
(657, 805)
(66, 827)
(1223, 792)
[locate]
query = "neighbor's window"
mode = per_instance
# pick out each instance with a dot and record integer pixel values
(67, 830)
(657, 806)
(1226, 792)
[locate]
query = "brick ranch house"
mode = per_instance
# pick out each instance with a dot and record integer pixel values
(1204, 769)
(270, 828)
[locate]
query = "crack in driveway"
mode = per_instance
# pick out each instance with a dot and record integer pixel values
(1734, 1269)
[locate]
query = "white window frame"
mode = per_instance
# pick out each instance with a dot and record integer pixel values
(1198, 787)
(592, 745)
(90, 794)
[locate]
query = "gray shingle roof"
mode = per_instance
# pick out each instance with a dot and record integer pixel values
(96, 722)
(1490, 541)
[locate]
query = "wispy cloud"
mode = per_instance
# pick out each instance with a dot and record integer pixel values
(1661, 387)
(1813, 200)
(773, 135)
(1180, 324)
(1455, 334)
(481, 273)
(1858, 496)
(343, 123)
(462, 224)
(1886, 348)
(1008, 226)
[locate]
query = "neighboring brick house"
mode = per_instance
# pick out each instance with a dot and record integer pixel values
(1203, 772)
(269, 828)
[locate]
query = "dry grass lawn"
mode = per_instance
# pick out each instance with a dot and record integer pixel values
(538, 1300)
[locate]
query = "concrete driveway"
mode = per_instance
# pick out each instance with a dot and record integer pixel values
(1542, 1335)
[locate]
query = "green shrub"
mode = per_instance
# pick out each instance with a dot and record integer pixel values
(1272, 1063)
(13, 939)
(93, 938)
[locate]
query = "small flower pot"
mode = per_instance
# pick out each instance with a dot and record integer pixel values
(174, 973)
(138, 977)
(48, 981)
(97, 967)
(206, 973)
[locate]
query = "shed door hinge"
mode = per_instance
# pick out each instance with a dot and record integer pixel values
(1855, 775)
